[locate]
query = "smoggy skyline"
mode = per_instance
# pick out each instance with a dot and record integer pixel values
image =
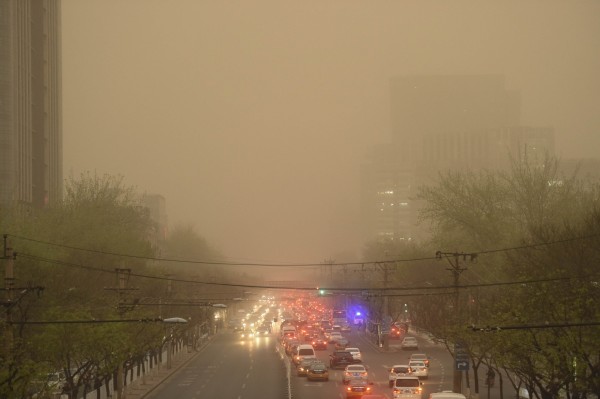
(252, 117)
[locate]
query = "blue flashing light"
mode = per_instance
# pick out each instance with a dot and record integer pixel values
(358, 313)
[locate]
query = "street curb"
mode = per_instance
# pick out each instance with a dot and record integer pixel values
(178, 363)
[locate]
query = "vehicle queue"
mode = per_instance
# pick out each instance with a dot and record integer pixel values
(320, 352)
(317, 349)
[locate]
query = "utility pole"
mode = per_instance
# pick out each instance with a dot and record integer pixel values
(461, 362)
(11, 300)
(9, 285)
(122, 276)
(386, 319)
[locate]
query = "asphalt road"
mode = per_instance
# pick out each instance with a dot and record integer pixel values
(230, 368)
(233, 368)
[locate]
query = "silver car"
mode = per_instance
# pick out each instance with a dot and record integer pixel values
(410, 343)
(419, 369)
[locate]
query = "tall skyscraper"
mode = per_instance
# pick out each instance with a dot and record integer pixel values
(440, 123)
(30, 103)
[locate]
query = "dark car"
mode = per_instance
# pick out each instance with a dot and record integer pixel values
(303, 366)
(319, 344)
(358, 389)
(340, 359)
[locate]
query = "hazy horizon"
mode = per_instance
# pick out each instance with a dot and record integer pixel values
(252, 117)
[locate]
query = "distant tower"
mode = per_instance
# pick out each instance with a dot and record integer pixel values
(30, 103)
(440, 123)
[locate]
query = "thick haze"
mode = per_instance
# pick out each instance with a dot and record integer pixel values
(251, 117)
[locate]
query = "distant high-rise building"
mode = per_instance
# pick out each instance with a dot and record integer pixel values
(442, 123)
(30, 103)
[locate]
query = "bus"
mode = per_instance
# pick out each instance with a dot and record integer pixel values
(339, 317)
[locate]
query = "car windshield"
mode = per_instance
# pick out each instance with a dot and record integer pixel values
(356, 368)
(407, 382)
(402, 369)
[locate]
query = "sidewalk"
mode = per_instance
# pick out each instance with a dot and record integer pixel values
(143, 386)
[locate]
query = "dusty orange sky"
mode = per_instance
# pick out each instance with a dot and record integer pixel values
(252, 116)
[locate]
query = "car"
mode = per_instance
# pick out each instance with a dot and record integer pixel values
(319, 344)
(346, 328)
(303, 351)
(446, 395)
(355, 354)
(291, 347)
(419, 356)
(358, 388)
(246, 333)
(398, 370)
(262, 331)
(409, 343)
(340, 358)
(56, 381)
(335, 336)
(355, 372)
(341, 343)
(317, 371)
(419, 369)
(396, 332)
(408, 387)
(303, 366)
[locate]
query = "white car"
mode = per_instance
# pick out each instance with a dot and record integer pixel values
(446, 395)
(408, 387)
(354, 372)
(419, 369)
(355, 354)
(420, 356)
(398, 370)
(335, 336)
(409, 343)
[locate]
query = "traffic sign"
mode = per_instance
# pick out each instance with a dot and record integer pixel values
(460, 352)
(462, 365)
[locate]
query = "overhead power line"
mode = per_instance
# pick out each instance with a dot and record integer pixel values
(337, 289)
(490, 251)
